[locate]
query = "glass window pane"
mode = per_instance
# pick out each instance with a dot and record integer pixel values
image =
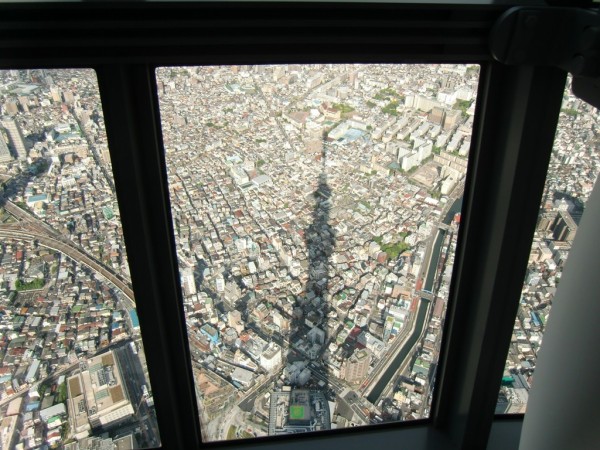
(73, 370)
(572, 172)
(316, 210)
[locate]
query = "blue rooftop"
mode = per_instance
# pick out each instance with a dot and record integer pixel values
(37, 198)
(134, 318)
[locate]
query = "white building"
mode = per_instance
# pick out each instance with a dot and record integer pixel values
(270, 358)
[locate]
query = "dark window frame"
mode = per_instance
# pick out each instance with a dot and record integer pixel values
(516, 115)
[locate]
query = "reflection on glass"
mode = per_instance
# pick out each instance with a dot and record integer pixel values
(572, 172)
(316, 210)
(73, 372)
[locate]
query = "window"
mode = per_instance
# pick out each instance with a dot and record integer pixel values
(572, 173)
(73, 361)
(515, 119)
(316, 210)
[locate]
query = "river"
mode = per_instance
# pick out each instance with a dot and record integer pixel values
(388, 375)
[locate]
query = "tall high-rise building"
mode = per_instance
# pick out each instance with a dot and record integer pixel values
(270, 358)
(564, 227)
(437, 115)
(5, 155)
(15, 136)
(452, 119)
(68, 97)
(55, 92)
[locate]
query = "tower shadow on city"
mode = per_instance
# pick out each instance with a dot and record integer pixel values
(319, 237)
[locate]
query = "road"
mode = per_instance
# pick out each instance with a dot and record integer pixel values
(133, 376)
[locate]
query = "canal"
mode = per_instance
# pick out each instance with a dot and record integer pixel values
(387, 376)
(455, 208)
(401, 356)
(435, 256)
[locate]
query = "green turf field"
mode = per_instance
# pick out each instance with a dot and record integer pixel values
(296, 412)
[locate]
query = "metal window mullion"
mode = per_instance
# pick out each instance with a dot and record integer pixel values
(191, 33)
(132, 123)
(513, 139)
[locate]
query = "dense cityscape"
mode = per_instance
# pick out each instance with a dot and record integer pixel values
(316, 210)
(73, 372)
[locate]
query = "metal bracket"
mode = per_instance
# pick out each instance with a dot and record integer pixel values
(563, 37)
